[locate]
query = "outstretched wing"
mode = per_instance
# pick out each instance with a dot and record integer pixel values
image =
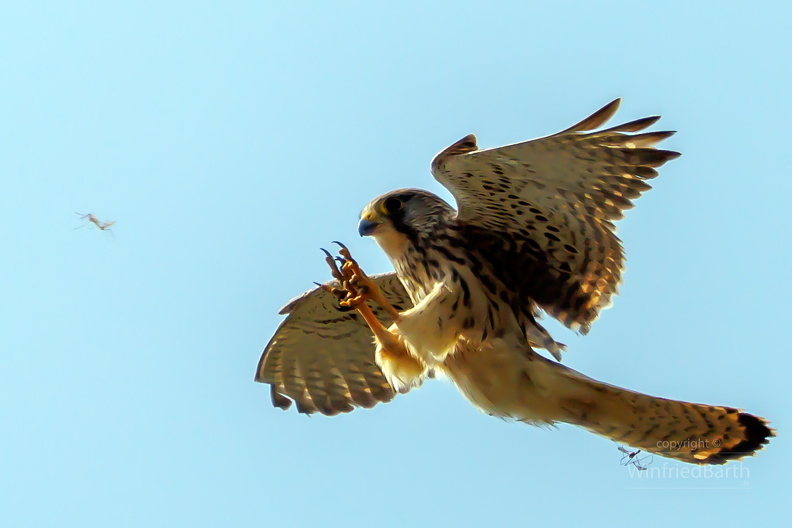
(322, 357)
(549, 205)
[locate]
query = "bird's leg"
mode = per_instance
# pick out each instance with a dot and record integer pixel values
(356, 289)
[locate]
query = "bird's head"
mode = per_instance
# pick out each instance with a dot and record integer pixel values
(399, 218)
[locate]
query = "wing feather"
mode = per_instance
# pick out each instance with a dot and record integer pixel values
(552, 202)
(322, 357)
(633, 126)
(595, 120)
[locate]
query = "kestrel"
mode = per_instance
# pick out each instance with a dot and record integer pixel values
(533, 232)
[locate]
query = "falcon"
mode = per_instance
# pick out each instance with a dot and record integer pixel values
(533, 232)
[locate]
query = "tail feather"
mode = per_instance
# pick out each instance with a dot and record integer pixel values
(690, 432)
(520, 384)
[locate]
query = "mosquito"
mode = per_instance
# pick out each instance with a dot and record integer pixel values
(641, 463)
(103, 226)
(631, 457)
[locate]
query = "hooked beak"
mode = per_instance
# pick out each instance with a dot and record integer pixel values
(367, 227)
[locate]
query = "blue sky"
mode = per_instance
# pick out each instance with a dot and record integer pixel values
(229, 141)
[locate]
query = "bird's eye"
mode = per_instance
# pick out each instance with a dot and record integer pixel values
(391, 206)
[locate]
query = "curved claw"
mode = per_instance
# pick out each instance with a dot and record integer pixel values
(340, 244)
(334, 271)
(339, 294)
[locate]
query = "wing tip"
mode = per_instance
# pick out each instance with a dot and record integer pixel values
(309, 406)
(279, 400)
(464, 146)
(596, 119)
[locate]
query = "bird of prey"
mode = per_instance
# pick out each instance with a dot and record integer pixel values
(533, 232)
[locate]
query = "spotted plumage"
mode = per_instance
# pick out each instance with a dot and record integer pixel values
(533, 232)
(315, 360)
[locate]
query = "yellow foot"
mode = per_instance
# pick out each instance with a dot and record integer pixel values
(358, 286)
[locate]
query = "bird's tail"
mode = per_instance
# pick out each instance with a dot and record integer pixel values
(527, 387)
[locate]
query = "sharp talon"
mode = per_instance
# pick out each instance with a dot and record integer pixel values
(344, 252)
(340, 260)
(326, 288)
(340, 244)
(341, 295)
(334, 271)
